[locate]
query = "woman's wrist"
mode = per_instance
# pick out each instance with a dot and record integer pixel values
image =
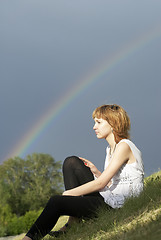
(97, 174)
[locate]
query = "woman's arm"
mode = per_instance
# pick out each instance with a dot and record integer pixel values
(120, 157)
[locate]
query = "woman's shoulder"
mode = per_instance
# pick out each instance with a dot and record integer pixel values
(123, 148)
(126, 140)
(136, 152)
(129, 143)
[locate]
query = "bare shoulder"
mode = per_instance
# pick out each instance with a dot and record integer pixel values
(123, 147)
(124, 151)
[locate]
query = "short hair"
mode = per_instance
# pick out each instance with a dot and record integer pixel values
(117, 117)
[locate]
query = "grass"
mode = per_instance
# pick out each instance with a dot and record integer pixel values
(61, 222)
(140, 218)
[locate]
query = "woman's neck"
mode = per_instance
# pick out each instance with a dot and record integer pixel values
(112, 145)
(111, 142)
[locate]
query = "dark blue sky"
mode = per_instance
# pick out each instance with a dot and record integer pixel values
(49, 46)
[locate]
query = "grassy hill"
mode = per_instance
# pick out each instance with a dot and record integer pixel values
(139, 219)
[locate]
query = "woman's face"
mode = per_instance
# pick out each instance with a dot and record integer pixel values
(102, 128)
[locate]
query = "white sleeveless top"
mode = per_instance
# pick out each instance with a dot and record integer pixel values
(127, 182)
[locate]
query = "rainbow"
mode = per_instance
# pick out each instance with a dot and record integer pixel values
(84, 83)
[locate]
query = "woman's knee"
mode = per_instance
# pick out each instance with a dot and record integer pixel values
(70, 161)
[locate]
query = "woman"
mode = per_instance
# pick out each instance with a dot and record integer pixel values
(86, 187)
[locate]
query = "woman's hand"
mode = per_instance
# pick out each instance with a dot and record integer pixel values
(92, 167)
(66, 193)
(71, 192)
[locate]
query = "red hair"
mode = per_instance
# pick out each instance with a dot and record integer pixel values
(117, 117)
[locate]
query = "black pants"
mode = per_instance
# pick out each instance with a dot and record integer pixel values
(75, 174)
